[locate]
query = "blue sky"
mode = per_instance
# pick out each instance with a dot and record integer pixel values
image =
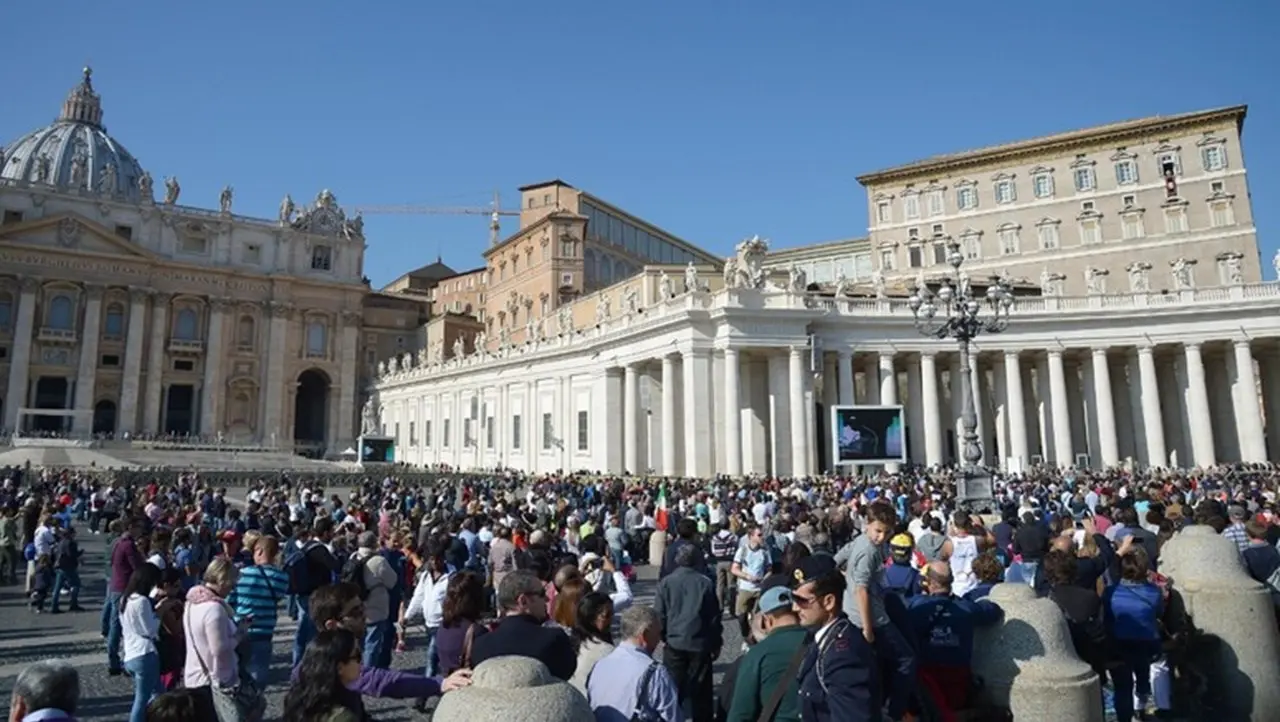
(712, 119)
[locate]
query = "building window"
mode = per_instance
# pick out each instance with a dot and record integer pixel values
(566, 247)
(936, 230)
(915, 256)
(1175, 220)
(516, 430)
(584, 431)
(1084, 179)
(1214, 157)
(911, 206)
(11, 217)
(195, 245)
(884, 212)
(444, 437)
(321, 258)
(967, 198)
(61, 313)
(940, 252)
(1048, 236)
(1088, 206)
(1217, 187)
(426, 433)
(548, 432)
(1129, 201)
(489, 432)
(1220, 214)
(971, 246)
(1126, 172)
(245, 333)
(114, 325)
(317, 339)
(413, 433)
(1008, 236)
(252, 254)
(913, 234)
(1005, 191)
(6, 310)
(1131, 226)
(186, 326)
(935, 203)
(1042, 185)
(886, 259)
(1090, 231)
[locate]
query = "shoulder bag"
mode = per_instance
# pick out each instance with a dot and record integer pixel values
(464, 661)
(784, 683)
(241, 703)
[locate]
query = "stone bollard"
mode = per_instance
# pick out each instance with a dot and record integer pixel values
(657, 548)
(514, 688)
(1028, 664)
(1226, 603)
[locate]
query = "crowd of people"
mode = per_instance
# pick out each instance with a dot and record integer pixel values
(856, 598)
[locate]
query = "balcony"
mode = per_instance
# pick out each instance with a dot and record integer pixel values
(57, 335)
(185, 347)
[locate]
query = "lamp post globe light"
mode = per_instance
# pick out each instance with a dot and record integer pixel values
(954, 311)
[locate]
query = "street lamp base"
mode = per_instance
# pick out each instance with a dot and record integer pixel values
(974, 492)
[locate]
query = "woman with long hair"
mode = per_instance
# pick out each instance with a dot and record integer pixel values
(565, 613)
(592, 635)
(319, 692)
(463, 608)
(141, 628)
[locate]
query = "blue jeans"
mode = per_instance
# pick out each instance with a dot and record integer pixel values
(111, 625)
(258, 659)
(898, 660)
(306, 629)
(146, 683)
(1134, 670)
(1029, 571)
(68, 579)
(375, 637)
(433, 654)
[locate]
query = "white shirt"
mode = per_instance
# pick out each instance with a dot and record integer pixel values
(44, 540)
(158, 560)
(141, 627)
(428, 599)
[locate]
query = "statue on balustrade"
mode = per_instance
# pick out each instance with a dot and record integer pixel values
(878, 283)
(369, 421)
(842, 284)
(564, 321)
(224, 199)
(1183, 276)
(797, 279)
(749, 264)
(630, 301)
(171, 190)
(481, 342)
(1139, 277)
(393, 365)
(1235, 272)
(602, 309)
(287, 209)
(146, 186)
(504, 338)
(1095, 280)
(459, 348)
(731, 273)
(1275, 264)
(691, 278)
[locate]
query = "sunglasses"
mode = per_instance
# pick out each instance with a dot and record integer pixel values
(802, 601)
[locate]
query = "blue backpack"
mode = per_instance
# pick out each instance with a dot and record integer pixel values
(29, 552)
(298, 568)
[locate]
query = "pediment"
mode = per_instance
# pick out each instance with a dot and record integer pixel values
(70, 232)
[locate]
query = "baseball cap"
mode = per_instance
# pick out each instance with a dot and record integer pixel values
(902, 541)
(775, 599)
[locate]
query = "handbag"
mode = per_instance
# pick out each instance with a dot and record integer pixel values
(242, 703)
(464, 661)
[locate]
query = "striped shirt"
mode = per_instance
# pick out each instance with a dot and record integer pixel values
(258, 593)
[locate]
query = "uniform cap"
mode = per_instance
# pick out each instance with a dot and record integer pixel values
(812, 568)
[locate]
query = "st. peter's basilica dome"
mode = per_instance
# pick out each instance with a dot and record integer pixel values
(75, 153)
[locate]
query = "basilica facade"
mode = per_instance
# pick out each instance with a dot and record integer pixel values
(1142, 330)
(126, 311)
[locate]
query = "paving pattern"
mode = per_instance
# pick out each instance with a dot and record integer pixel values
(26, 637)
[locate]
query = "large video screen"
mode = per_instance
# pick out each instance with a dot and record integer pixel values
(377, 449)
(867, 435)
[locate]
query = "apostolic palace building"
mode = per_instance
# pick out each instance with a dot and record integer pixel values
(1141, 331)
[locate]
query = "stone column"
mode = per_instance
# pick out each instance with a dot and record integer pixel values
(732, 415)
(1269, 370)
(844, 370)
(213, 388)
(20, 355)
(1016, 409)
(669, 416)
(932, 412)
(277, 347)
(799, 441)
(1152, 419)
(1198, 409)
(1105, 409)
(348, 363)
(699, 447)
(1058, 403)
(1253, 440)
(630, 417)
(888, 389)
(159, 338)
(82, 423)
(779, 415)
(131, 380)
(915, 412)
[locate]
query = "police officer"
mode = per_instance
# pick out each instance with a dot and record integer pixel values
(839, 678)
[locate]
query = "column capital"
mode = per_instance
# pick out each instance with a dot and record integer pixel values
(1146, 349)
(351, 318)
(279, 310)
(843, 352)
(1191, 347)
(138, 294)
(1242, 342)
(1012, 353)
(1054, 353)
(94, 291)
(162, 298)
(30, 285)
(220, 303)
(1099, 350)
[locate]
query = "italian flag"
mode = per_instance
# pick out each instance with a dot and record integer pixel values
(660, 514)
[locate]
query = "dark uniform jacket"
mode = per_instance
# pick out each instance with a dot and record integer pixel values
(839, 678)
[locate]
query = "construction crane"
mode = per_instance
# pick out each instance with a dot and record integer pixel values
(494, 211)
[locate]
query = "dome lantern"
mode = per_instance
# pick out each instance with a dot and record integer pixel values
(83, 105)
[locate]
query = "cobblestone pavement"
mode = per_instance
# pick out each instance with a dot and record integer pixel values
(26, 637)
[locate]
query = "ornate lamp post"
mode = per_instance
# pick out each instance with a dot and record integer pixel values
(953, 311)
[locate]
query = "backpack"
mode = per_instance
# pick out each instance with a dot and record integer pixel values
(353, 573)
(298, 568)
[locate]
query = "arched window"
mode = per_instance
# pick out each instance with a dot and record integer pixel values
(317, 338)
(187, 325)
(114, 325)
(6, 310)
(61, 313)
(245, 332)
